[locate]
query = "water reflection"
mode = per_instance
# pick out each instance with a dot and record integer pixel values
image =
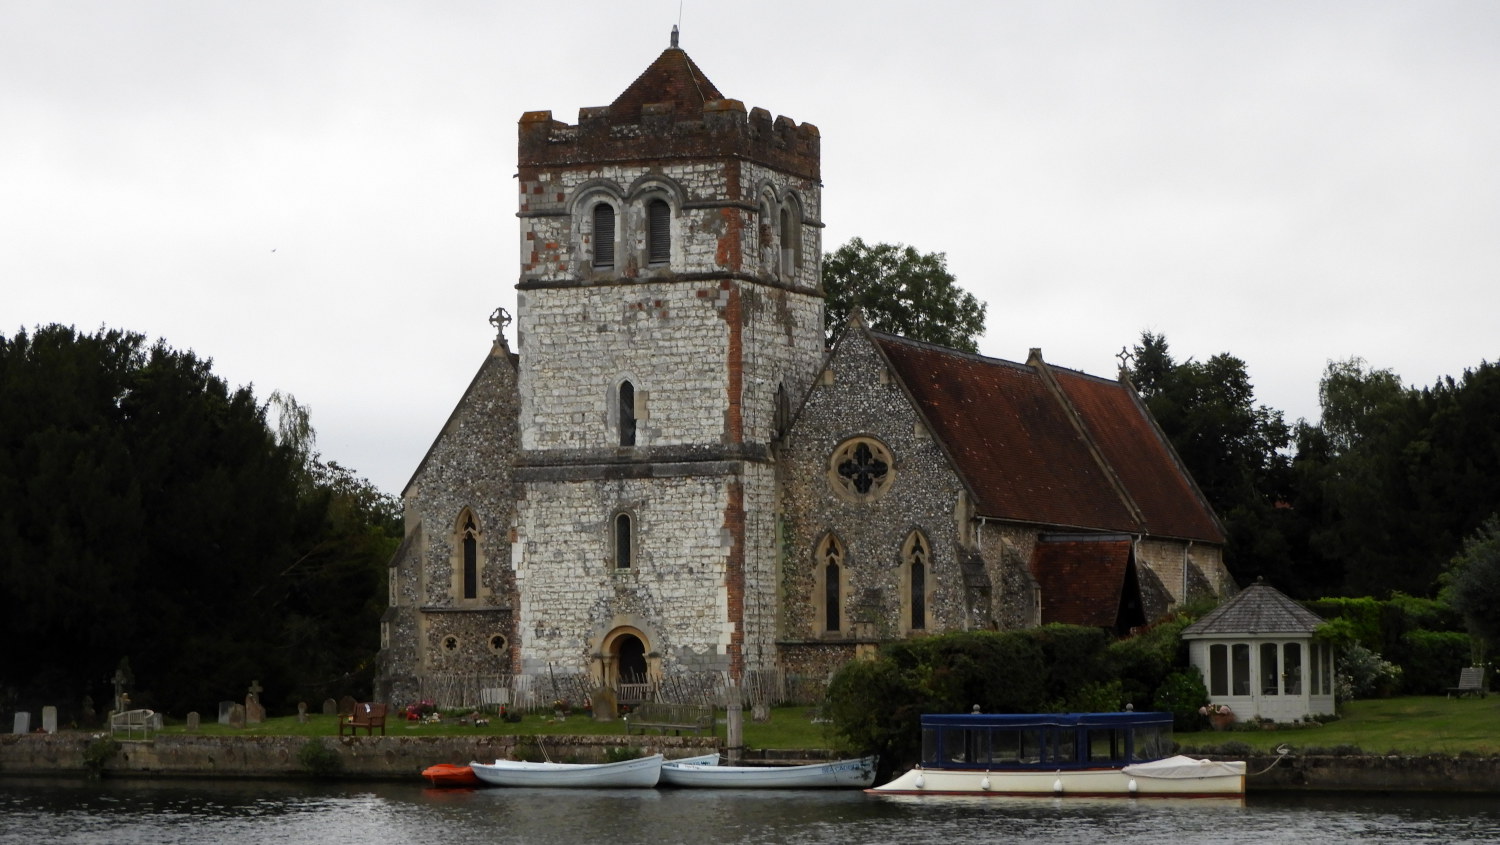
(165, 813)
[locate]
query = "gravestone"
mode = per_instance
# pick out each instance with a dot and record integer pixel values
(49, 719)
(23, 722)
(346, 704)
(226, 710)
(236, 715)
(330, 707)
(254, 713)
(192, 722)
(156, 721)
(606, 707)
(302, 712)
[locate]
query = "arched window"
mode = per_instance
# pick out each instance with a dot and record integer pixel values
(624, 540)
(627, 414)
(790, 254)
(830, 565)
(469, 546)
(916, 560)
(604, 235)
(658, 233)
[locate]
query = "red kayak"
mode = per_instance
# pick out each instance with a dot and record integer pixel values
(449, 775)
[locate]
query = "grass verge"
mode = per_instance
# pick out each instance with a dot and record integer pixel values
(1410, 725)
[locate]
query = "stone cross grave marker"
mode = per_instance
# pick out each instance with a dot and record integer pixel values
(302, 712)
(254, 712)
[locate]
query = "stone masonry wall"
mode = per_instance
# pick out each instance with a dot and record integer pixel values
(469, 466)
(863, 401)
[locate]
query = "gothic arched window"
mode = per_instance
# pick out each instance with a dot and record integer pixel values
(830, 581)
(469, 543)
(916, 562)
(604, 235)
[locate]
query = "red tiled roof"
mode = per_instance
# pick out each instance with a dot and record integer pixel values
(1134, 448)
(673, 78)
(1016, 443)
(1081, 580)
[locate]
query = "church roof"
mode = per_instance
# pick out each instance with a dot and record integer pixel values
(1050, 446)
(1081, 579)
(1258, 609)
(672, 79)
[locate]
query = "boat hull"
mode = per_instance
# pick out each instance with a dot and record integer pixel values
(846, 774)
(642, 773)
(1228, 780)
(450, 776)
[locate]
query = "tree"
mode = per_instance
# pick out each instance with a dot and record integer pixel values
(148, 511)
(1234, 449)
(1472, 583)
(902, 292)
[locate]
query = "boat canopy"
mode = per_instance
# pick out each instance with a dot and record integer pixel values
(1044, 740)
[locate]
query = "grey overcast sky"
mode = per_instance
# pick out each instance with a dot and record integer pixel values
(319, 196)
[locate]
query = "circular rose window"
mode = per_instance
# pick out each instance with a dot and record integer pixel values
(861, 469)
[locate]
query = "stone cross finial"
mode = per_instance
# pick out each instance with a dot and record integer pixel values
(256, 688)
(500, 318)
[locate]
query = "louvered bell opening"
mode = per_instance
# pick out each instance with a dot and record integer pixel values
(604, 235)
(659, 233)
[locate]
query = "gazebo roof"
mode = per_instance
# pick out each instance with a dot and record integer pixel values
(1258, 609)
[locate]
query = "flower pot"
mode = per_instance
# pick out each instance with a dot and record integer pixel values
(1221, 721)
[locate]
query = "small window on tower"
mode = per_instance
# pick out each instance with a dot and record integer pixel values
(627, 414)
(624, 540)
(604, 235)
(658, 233)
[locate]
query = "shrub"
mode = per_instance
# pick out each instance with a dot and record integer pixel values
(98, 753)
(1181, 694)
(1432, 661)
(1364, 674)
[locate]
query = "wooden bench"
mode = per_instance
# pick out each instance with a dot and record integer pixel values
(1470, 682)
(131, 721)
(366, 715)
(657, 715)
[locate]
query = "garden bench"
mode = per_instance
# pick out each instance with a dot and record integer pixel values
(366, 715)
(657, 715)
(131, 721)
(1470, 682)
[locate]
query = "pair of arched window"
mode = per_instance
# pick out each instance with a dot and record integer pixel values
(658, 233)
(783, 221)
(832, 581)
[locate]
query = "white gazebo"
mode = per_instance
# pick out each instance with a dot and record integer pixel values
(1257, 654)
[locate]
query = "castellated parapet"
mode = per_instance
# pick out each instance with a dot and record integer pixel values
(723, 129)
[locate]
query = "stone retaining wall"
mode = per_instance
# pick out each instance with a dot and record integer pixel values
(362, 757)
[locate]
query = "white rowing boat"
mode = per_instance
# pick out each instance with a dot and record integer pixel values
(843, 773)
(641, 773)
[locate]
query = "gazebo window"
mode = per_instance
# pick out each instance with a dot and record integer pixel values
(1218, 669)
(1269, 669)
(1241, 668)
(1292, 668)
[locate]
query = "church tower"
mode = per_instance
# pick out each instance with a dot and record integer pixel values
(668, 313)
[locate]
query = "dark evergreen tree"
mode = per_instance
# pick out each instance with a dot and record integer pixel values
(1234, 448)
(148, 512)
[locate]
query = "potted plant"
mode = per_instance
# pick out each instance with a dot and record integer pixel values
(1220, 716)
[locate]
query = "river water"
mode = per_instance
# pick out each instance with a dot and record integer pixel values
(124, 812)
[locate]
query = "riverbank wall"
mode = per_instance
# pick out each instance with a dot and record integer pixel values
(354, 758)
(75, 754)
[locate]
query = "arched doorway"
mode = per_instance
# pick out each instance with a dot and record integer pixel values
(630, 659)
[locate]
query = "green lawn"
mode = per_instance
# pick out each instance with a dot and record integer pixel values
(1414, 725)
(790, 727)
